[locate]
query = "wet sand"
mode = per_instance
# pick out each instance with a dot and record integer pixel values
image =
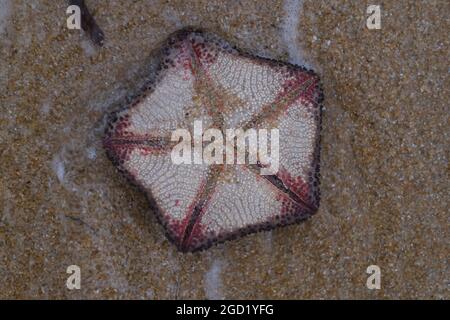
(385, 191)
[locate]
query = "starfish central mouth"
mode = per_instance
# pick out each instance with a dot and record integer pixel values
(202, 77)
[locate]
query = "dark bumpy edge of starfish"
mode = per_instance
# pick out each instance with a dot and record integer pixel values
(147, 88)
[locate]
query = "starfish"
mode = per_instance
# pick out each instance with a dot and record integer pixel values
(201, 76)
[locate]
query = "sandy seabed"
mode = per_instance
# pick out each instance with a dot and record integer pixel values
(385, 149)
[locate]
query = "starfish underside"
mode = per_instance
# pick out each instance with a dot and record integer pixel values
(203, 77)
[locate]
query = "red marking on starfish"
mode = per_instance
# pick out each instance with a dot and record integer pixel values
(295, 184)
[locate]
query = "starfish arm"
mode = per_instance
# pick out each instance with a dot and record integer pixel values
(175, 190)
(242, 202)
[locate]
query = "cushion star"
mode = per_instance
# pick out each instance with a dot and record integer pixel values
(203, 77)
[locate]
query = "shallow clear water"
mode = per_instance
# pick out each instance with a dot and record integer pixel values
(384, 154)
